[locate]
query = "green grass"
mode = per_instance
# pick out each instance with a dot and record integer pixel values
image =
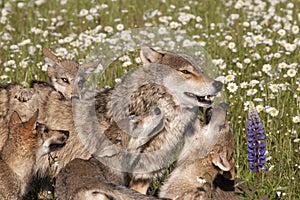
(57, 21)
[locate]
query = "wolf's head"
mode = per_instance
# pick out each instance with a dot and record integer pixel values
(184, 78)
(65, 76)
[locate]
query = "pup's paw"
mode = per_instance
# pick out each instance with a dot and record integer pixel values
(24, 94)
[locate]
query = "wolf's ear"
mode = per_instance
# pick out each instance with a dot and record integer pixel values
(50, 58)
(149, 55)
(14, 119)
(31, 123)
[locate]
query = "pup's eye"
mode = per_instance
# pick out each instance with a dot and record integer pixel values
(65, 80)
(37, 124)
(185, 72)
(46, 130)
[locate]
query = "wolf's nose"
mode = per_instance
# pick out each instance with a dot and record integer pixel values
(157, 111)
(66, 133)
(218, 85)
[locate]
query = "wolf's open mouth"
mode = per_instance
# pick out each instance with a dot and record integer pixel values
(202, 99)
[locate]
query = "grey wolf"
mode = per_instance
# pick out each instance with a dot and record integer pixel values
(173, 82)
(27, 142)
(205, 154)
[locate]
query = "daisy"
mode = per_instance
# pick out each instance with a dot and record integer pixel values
(281, 32)
(244, 84)
(274, 87)
(296, 119)
(201, 179)
(232, 87)
(229, 78)
(266, 68)
(108, 29)
(291, 72)
(231, 45)
(239, 65)
(120, 27)
(251, 92)
(259, 108)
(272, 111)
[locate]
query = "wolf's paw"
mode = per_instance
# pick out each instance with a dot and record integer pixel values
(24, 94)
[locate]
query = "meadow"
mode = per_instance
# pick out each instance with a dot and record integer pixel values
(253, 44)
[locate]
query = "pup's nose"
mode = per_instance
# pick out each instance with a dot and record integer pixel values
(157, 111)
(218, 85)
(66, 133)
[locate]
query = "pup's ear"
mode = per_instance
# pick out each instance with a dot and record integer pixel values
(50, 58)
(149, 55)
(14, 119)
(31, 123)
(221, 161)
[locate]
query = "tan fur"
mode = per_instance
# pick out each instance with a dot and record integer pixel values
(205, 153)
(23, 148)
(89, 179)
(81, 179)
(65, 75)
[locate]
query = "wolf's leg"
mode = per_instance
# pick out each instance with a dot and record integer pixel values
(24, 94)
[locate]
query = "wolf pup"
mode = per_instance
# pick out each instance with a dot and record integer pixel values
(26, 143)
(66, 76)
(91, 179)
(206, 152)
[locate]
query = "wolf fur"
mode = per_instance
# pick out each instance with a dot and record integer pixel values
(206, 152)
(25, 145)
(80, 178)
(66, 76)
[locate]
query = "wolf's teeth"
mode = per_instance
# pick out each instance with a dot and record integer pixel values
(207, 98)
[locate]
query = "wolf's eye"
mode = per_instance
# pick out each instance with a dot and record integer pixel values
(185, 72)
(65, 80)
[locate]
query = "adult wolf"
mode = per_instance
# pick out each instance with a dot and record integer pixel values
(174, 83)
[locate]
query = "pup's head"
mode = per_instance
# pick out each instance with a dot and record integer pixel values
(64, 75)
(52, 140)
(33, 135)
(185, 80)
(219, 131)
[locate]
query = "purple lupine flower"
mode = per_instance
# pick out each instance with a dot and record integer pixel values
(256, 137)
